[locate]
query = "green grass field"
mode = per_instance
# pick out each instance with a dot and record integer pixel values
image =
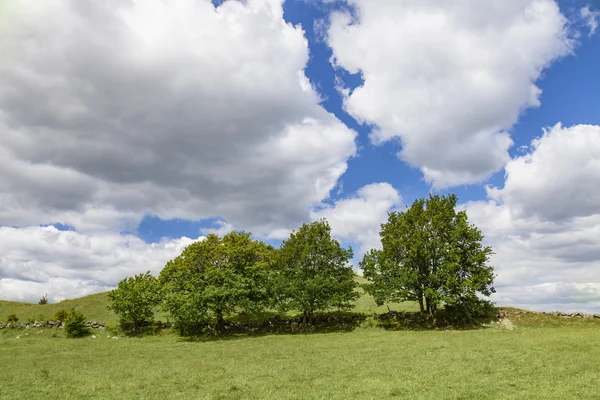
(541, 357)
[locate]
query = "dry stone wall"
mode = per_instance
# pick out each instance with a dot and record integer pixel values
(49, 324)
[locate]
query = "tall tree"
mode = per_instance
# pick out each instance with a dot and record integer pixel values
(313, 272)
(430, 254)
(135, 299)
(215, 277)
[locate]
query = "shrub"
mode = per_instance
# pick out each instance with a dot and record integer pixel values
(43, 300)
(468, 312)
(12, 319)
(75, 325)
(61, 315)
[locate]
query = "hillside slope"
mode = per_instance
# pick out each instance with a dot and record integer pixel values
(95, 307)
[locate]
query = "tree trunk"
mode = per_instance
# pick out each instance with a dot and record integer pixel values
(220, 321)
(421, 305)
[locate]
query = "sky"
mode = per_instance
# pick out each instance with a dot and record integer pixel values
(129, 129)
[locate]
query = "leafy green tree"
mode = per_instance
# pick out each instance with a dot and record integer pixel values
(432, 255)
(313, 272)
(75, 325)
(214, 278)
(43, 300)
(135, 300)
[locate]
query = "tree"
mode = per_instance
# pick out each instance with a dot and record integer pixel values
(135, 300)
(432, 255)
(214, 278)
(43, 300)
(313, 272)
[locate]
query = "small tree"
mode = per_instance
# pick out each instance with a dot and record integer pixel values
(313, 272)
(135, 299)
(431, 255)
(43, 300)
(75, 325)
(214, 278)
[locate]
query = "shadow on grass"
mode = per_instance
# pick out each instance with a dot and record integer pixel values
(278, 325)
(271, 323)
(414, 321)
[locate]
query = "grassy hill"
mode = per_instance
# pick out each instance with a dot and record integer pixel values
(93, 306)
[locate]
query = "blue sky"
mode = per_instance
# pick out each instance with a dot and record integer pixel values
(131, 130)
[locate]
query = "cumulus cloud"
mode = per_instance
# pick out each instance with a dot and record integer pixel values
(544, 224)
(448, 79)
(66, 264)
(358, 218)
(180, 109)
(554, 180)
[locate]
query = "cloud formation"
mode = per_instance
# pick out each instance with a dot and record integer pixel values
(358, 218)
(66, 264)
(544, 224)
(448, 79)
(179, 109)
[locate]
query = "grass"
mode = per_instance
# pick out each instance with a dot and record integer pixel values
(542, 357)
(369, 363)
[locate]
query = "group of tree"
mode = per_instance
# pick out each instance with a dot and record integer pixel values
(214, 278)
(430, 254)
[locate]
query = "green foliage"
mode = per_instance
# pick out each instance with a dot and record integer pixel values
(430, 255)
(12, 318)
(43, 300)
(135, 299)
(61, 315)
(214, 278)
(75, 325)
(468, 311)
(313, 273)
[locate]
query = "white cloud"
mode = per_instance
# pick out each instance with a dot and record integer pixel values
(590, 18)
(555, 180)
(113, 110)
(449, 79)
(66, 264)
(222, 228)
(544, 224)
(358, 218)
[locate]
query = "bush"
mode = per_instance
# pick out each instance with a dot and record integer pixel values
(75, 325)
(61, 315)
(468, 312)
(12, 319)
(43, 300)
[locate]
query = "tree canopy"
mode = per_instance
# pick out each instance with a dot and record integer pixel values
(430, 254)
(313, 273)
(135, 299)
(215, 277)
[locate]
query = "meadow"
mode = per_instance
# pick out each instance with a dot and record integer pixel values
(534, 356)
